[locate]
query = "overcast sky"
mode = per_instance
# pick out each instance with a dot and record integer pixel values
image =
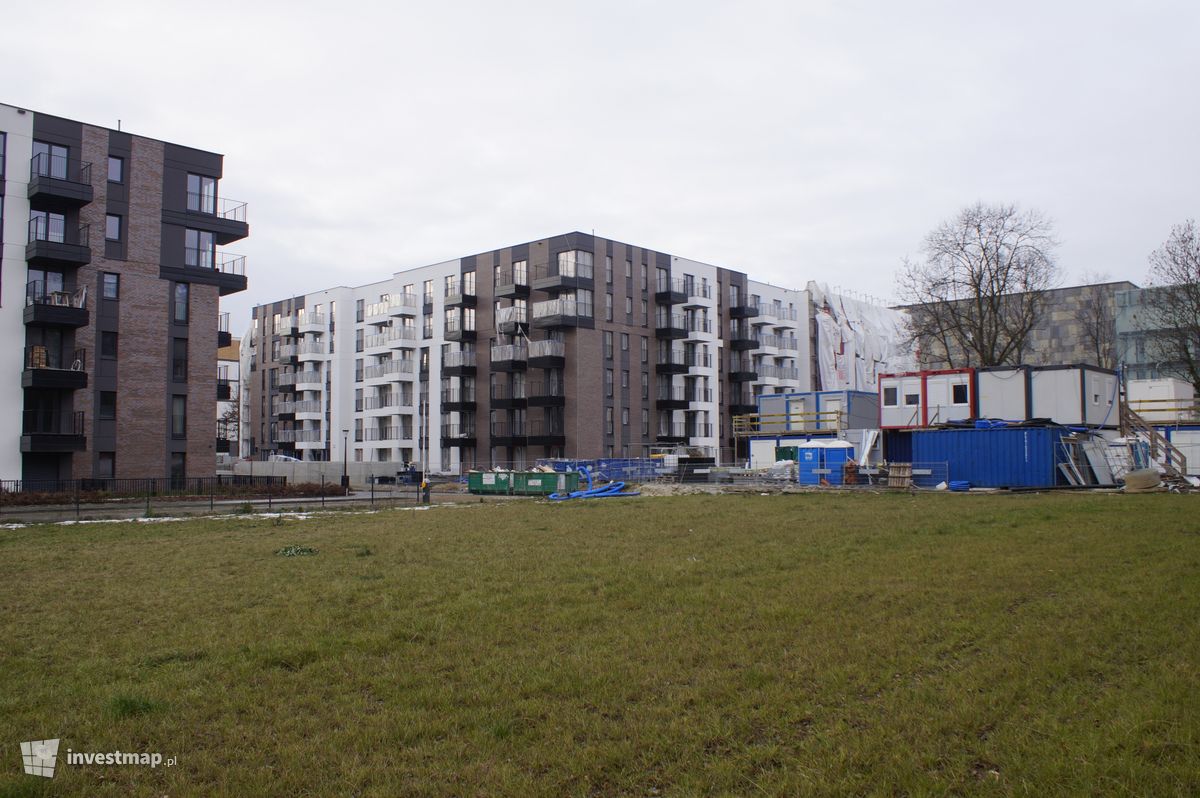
(791, 140)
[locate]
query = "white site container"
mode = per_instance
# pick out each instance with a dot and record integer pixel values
(1077, 395)
(925, 398)
(900, 400)
(1003, 392)
(949, 396)
(1163, 401)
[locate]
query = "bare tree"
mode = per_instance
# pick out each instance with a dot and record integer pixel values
(1097, 319)
(980, 290)
(1172, 323)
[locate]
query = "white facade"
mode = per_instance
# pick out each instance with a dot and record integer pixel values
(17, 151)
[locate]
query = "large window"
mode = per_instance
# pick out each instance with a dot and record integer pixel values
(108, 345)
(179, 359)
(116, 169)
(575, 263)
(199, 249)
(108, 406)
(44, 226)
(49, 160)
(112, 227)
(110, 285)
(201, 194)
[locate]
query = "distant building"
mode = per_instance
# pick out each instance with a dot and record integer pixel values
(229, 399)
(111, 278)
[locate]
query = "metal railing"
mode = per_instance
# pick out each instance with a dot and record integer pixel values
(381, 434)
(59, 167)
(675, 357)
(38, 356)
(388, 367)
(37, 294)
(562, 306)
(564, 269)
(309, 378)
(306, 406)
(675, 285)
(699, 325)
(38, 422)
(767, 372)
(699, 360)
(57, 231)
(502, 429)
(503, 392)
(513, 276)
(402, 302)
(452, 431)
(382, 402)
(231, 210)
(544, 390)
(767, 423)
(512, 315)
(676, 320)
(700, 290)
(458, 395)
(457, 326)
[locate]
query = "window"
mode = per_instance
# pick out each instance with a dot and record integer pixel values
(179, 359)
(179, 303)
(608, 307)
(628, 306)
(201, 193)
(108, 345)
(106, 465)
(958, 394)
(608, 269)
(645, 350)
(199, 249)
(178, 416)
(110, 285)
(645, 385)
(112, 227)
(608, 345)
(645, 423)
(608, 382)
(628, 269)
(575, 263)
(608, 421)
(624, 416)
(108, 406)
(116, 169)
(624, 342)
(50, 160)
(624, 378)
(912, 399)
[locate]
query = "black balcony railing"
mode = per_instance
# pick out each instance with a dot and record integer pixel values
(37, 422)
(200, 202)
(38, 356)
(56, 231)
(59, 167)
(36, 293)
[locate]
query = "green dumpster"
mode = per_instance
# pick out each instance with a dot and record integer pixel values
(489, 482)
(543, 483)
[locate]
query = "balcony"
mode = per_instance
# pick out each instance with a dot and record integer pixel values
(506, 397)
(286, 381)
(699, 329)
(55, 182)
(459, 436)
(309, 410)
(309, 381)
(285, 411)
(54, 244)
(699, 360)
(742, 371)
(699, 295)
(458, 400)
(224, 389)
(547, 354)
(739, 307)
(562, 276)
(742, 338)
(288, 326)
(696, 430)
(384, 433)
(52, 433)
(545, 394)
(54, 308)
(458, 364)
(388, 369)
(459, 295)
(510, 357)
(512, 321)
(455, 330)
(671, 291)
(505, 434)
(560, 313)
(778, 373)
(224, 270)
(312, 352)
(224, 218)
(388, 403)
(223, 337)
(670, 326)
(700, 396)
(403, 305)
(45, 369)
(288, 354)
(675, 432)
(312, 324)
(672, 362)
(671, 398)
(542, 433)
(512, 283)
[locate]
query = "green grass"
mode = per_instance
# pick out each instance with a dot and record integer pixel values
(809, 644)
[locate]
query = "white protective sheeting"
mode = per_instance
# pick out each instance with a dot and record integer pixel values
(857, 341)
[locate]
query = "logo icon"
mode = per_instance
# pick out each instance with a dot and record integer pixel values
(39, 757)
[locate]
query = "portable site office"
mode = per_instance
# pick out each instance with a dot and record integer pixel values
(1074, 395)
(918, 399)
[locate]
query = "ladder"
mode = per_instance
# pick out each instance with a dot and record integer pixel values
(1173, 462)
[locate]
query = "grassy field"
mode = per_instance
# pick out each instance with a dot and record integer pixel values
(726, 645)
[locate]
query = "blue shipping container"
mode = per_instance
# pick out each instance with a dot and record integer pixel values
(1012, 457)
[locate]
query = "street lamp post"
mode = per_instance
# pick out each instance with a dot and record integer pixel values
(345, 455)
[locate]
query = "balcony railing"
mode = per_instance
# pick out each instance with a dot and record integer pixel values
(547, 349)
(377, 311)
(402, 302)
(56, 231)
(699, 360)
(769, 372)
(313, 320)
(388, 367)
(699, 395)
(38, 356)
(455, 326)
(59, 167)
(542, 271)
(503, 352)
(37, 294)
(313, 348)
(508, 392)
(452, 431)
(563, 306)
(39, 422)
(232, 210)
(544, 390)
(697, 290)
(309, 378)
(674, 357)
(305, 406)
(458, 360)
(381, 434)
(287, 351)
(699, 325)
(512, 315)
(458, 395)
(380, 402)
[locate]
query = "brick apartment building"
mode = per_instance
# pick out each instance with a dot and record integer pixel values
(569, 346)
(111, 278)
